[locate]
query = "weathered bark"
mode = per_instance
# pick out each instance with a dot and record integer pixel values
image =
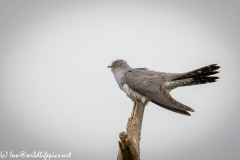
(129, 144)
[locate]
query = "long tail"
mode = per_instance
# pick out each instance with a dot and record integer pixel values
(195, 77)
(201, 75)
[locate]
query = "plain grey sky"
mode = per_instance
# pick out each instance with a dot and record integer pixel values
(57, 94)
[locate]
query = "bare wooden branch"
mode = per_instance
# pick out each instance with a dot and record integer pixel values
(129, 144)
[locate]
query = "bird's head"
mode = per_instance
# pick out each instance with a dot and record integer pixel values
(118, 64)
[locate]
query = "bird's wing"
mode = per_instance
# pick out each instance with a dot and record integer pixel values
(150, 84)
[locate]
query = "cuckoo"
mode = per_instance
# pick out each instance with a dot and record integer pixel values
(147, 85)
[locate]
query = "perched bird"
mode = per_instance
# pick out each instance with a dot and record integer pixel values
(146, 85)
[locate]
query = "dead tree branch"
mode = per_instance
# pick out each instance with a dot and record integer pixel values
(129, 144)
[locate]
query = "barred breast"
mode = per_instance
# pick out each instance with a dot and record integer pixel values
(133, 95)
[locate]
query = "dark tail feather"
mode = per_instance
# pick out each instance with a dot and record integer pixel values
(201, 75)
(172, 109)
(201, 72)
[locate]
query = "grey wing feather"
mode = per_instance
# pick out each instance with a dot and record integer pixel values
(143, 80)
(150, 84)
(169, 76)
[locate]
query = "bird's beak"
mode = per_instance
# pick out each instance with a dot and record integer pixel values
(109, 67)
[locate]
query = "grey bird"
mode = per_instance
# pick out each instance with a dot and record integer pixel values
(147, 85)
